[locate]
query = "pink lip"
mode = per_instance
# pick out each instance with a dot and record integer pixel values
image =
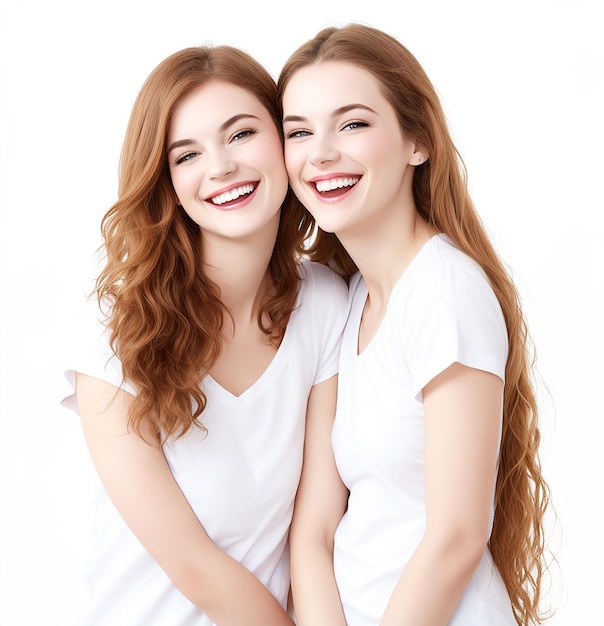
(332, 175)
(237, 203)
(335, 195)
(233, 186)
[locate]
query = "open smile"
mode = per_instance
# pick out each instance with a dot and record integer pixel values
(232, 196)
(334, 187)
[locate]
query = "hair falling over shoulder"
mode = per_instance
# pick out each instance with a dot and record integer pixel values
(165, 315)
(441, 196)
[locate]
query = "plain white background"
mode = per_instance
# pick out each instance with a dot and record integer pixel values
(522, 85)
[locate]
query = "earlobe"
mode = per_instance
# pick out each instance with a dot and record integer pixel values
(418, 157)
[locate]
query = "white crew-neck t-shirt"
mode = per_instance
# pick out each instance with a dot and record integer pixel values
(240, 479)
(442, 310)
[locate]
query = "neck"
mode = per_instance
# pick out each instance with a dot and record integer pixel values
(240, 269)
(383, 251)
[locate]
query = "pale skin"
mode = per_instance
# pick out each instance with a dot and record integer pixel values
(320, 504)
(338, 125)
(236, 246)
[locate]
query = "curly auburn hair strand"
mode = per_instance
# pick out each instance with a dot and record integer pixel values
(165, 315)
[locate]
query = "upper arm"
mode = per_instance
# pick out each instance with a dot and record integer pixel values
(138, 479)
(462, 408)
(322, 496)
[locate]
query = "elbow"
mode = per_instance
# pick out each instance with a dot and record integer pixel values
(461, 547)
(302, 536)
(469, 550)
(196, 585)
(310, 544)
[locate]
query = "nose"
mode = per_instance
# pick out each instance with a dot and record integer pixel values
(220, 164)
(323, 152)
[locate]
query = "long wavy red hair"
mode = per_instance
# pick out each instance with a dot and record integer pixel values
(165, 314)
(441, 196)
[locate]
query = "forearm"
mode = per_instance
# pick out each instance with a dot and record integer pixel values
(316, 597)
(138, 480)
(431, 585)
(320, 504)
(462, 409)
(233, 596)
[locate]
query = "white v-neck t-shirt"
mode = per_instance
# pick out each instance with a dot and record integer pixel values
(441, 311)
(240, 479)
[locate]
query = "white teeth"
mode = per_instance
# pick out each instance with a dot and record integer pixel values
(233, 194)
(336, 183)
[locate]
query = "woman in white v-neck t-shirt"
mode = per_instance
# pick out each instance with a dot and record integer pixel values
(428, 507)
(240, 479)
(209, 349)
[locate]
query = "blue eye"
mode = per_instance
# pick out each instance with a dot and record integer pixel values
(186, 157)
(354, 125)
(242, 134)
(298, 133)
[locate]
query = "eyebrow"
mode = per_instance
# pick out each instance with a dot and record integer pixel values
(235, 118)
(338, 111)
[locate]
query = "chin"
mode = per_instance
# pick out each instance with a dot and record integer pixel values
(327, 226)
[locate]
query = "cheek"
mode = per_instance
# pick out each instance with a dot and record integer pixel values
(280, 178)
(269, 159)
(183, 181)
(268, 154)
(375, 150)
(293, 160)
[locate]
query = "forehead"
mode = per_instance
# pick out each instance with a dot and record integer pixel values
(332, 83)
(210, 105)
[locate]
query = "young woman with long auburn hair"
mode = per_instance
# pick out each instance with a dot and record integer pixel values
(428, 508)
(209, 345)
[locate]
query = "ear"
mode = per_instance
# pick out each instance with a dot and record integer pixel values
(419, 156)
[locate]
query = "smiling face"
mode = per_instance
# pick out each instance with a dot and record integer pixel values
(347, 158)
(226, 161)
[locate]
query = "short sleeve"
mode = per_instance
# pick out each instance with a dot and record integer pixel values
(453, 316)
(325, 296)
(90, 353)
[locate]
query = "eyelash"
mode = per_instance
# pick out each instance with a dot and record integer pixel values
(356, 124)
(294, 134)
(185, 157)
(241, 134)
(297, 133)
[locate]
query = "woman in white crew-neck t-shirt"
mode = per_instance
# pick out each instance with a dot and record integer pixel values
(428, 508)
(441, 311)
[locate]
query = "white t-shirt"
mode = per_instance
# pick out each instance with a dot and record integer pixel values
(240, 479)
(442, 310)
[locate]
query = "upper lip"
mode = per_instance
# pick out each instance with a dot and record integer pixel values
(241, 186)
(337, 181)
(316, 179)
